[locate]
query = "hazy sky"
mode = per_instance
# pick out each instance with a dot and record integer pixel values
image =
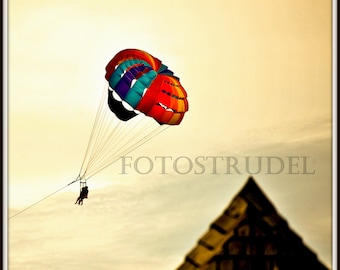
(258, 77)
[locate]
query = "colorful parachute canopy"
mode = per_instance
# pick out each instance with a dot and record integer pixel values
(148, 86)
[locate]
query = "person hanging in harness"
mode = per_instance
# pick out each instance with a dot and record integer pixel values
(83, 195)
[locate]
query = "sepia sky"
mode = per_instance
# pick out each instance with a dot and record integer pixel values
(258, 78)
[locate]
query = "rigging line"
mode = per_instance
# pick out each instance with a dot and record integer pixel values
(93, 133)
(104, 124)
(127, 151)
(134, 132)
(109, 128)
(100, 140)
(113, 131)
(105, 140)
(123, 136)
(94, 127)
(99, 130)
(111, 151)
(117, 137)
(44, 198)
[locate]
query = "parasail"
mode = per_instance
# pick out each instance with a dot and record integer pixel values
(142, 97)
(147, 85)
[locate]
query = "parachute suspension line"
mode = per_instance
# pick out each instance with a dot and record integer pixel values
(82, 184)
(123, 152)
(130, 149)
(124, 137)
(103, 136)
(76, 180)
(107, 134)
(112, 138)
(94, 129)
(115, 136)
(131, 139)
(103, 122)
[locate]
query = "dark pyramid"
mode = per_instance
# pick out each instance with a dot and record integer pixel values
(250, 235)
